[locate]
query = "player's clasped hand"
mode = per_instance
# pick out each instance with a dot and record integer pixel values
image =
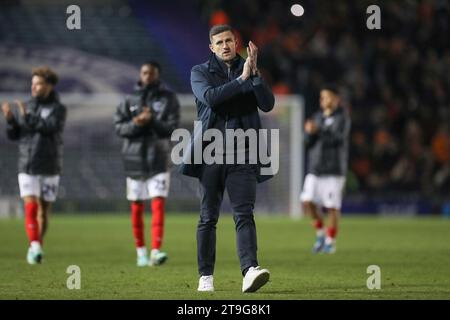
(143, 118)
(6, 109)
(7, 112)
(310, 127)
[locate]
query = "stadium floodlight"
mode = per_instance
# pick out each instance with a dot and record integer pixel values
(297, 10)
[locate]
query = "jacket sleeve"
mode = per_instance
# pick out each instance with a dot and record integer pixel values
(263, 94)
(51, 124)
(310, 139)
(209, 95)
(13, 129)
(123, 122)
(337, 133)
(164, 128)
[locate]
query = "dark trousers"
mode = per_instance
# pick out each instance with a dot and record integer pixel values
(240, 183)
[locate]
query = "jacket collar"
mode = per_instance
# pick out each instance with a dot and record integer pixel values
(52, 97)
(150, 88)
(336, 111)
(216, 65)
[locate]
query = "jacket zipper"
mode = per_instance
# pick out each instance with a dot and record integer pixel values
(226, 117)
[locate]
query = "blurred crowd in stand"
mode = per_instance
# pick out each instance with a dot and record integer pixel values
(395, 81)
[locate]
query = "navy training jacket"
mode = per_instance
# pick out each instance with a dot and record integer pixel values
(217, 91)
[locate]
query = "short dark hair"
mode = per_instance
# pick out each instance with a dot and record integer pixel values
(152, 63)
(219, 28)
(331, 87)
(45, 72)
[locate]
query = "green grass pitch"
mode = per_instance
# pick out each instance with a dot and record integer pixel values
(413, 254)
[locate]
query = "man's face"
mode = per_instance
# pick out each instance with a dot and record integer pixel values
(224, 45)
(328, 100)
(39, 87)
(149, 74)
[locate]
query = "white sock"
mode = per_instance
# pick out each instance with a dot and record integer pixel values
(141, 251)
(155, 251)
(35, 246)
(329, 240)
(320, 232)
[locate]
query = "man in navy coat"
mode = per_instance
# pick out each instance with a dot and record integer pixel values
(228, 90)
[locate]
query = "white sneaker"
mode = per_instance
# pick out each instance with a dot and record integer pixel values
(254, 279)
(157, 257)
(34, 256)
(142, 261)
(206, 284)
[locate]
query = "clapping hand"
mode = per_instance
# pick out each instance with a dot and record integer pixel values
(143, 118)
(6, 109)
(252, 52)
(311, 127)
(250, 65)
